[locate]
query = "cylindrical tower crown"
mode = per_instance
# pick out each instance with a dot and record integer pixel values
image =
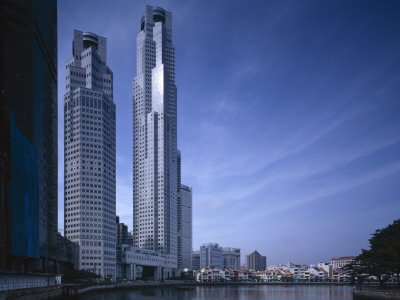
(90, 40)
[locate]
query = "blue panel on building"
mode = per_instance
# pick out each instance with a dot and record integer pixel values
(23, 201)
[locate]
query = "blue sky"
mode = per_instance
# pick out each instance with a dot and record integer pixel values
(288, 117)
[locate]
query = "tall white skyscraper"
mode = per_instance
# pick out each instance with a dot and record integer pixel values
(89, 154)
(155, 137)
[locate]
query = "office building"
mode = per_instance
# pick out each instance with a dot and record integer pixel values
(122, 232)
(255, 261)
(28, 150)
(179, 209)
(210, 255)
(130, 237)
(155, 139)
(138, 263)
(185, 227)
(230, 258)
(89, 154)
(196, 260)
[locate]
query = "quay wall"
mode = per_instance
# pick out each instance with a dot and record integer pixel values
(15, 281)
(39, 293)
(70, 290)
(376, 294)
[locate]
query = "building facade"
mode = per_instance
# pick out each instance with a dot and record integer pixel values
(122, 232)
(230, 258)
(185, 228)
(130, 237)
(210, 255)
(137, 263)
(196, 260)
(255, 261)
(155, 171)
(28, 134)
(89, 154)
(340, 262)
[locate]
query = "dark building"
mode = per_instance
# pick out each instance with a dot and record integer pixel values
(255, 261)
(196, 260)
(28, 136)
(122, 233)
(130, 237)
(67, 254)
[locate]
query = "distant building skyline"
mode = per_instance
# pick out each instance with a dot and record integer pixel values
(213, 254)
(89, 154)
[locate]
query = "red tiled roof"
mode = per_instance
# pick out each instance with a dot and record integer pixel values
(338, 271)
(344, 257)
(320, 269)
(263, 272)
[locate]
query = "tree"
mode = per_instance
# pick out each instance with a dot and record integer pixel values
(385, 248)
(254, 277)
(357, 271)
(287, 278)
(374, 266)
(382, 260)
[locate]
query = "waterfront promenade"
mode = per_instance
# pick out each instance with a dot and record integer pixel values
(72, 290)
(366, 291)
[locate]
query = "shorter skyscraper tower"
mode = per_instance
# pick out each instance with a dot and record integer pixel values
(89, 154)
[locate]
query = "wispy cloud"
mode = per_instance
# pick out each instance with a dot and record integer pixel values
(321, 192)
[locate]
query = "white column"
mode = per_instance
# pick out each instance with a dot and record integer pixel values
(134, 271)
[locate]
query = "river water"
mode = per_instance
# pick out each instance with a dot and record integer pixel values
(245, 292)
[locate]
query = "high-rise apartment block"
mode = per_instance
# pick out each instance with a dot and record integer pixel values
(89, 154)
(255, 261)
(155, 138)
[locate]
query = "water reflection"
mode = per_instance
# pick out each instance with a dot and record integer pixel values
(270, 292)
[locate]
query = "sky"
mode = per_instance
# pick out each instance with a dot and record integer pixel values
(288, 117)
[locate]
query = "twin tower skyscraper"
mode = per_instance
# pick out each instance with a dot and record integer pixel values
(161, 204)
